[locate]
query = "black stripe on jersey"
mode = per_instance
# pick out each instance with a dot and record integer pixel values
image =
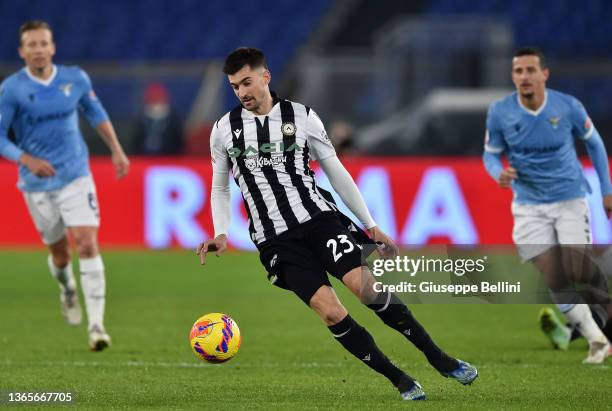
(282, 201)
(287, 115)
(238, 142)
(307, 169)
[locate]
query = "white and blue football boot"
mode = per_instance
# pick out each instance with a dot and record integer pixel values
(466, 373)
(415, 393)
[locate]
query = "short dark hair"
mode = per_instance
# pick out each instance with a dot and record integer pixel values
(33, 25)
(244, 56)
(532, 51)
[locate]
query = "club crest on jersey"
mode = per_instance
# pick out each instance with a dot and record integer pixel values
(251, 162)
(554, 121)
(288, 128)
(66, 89)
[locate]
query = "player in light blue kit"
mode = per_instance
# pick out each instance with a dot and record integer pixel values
(40, 103)
(536, 128)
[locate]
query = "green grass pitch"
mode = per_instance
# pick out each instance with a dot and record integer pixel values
(288, 359)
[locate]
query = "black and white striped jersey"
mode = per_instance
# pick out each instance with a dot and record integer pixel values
(269, 156)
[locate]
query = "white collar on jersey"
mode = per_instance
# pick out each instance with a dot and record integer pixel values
(40, 81)
(533, 112)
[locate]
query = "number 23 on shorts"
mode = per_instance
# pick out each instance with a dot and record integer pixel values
(340, 246)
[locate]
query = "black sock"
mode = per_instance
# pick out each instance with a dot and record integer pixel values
(607, 330)
(396, 315)
(360, 343)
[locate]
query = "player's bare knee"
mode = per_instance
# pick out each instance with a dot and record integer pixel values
(88, 250)
(326, 304)
(87, 247)
(332, 314)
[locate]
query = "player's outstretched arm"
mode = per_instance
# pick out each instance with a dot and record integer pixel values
(220, 206)
(494, 147)
(92, 108)
(120, 161)
(597, 152)
(8, 149)
(343, 184)
(494, 166)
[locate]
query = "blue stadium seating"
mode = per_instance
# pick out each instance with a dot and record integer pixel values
(135, 31)
(144, 30)
(563, 28)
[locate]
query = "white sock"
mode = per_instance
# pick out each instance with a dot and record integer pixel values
(64, 276)
(94, 289)
(580, 317)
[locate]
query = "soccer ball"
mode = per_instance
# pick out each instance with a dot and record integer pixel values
(215, 338)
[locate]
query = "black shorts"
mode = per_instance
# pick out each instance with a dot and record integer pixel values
(299, 259)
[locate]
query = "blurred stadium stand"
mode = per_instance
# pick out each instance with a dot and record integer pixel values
(564, 28)
(384, 74)
(576, 37)
(383, 66)
(158, 30)
(126, 44)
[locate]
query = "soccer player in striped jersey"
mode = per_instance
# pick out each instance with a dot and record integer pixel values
(536, 128)
(40, 103)
(267, 142)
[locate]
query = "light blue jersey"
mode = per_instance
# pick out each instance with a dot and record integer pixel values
(44, 118)
(540, 146)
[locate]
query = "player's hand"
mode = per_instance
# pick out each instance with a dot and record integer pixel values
(607, 203)
(38, 166)
(386, 246)
(506, 177)
(218, 244)
(121, 164)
